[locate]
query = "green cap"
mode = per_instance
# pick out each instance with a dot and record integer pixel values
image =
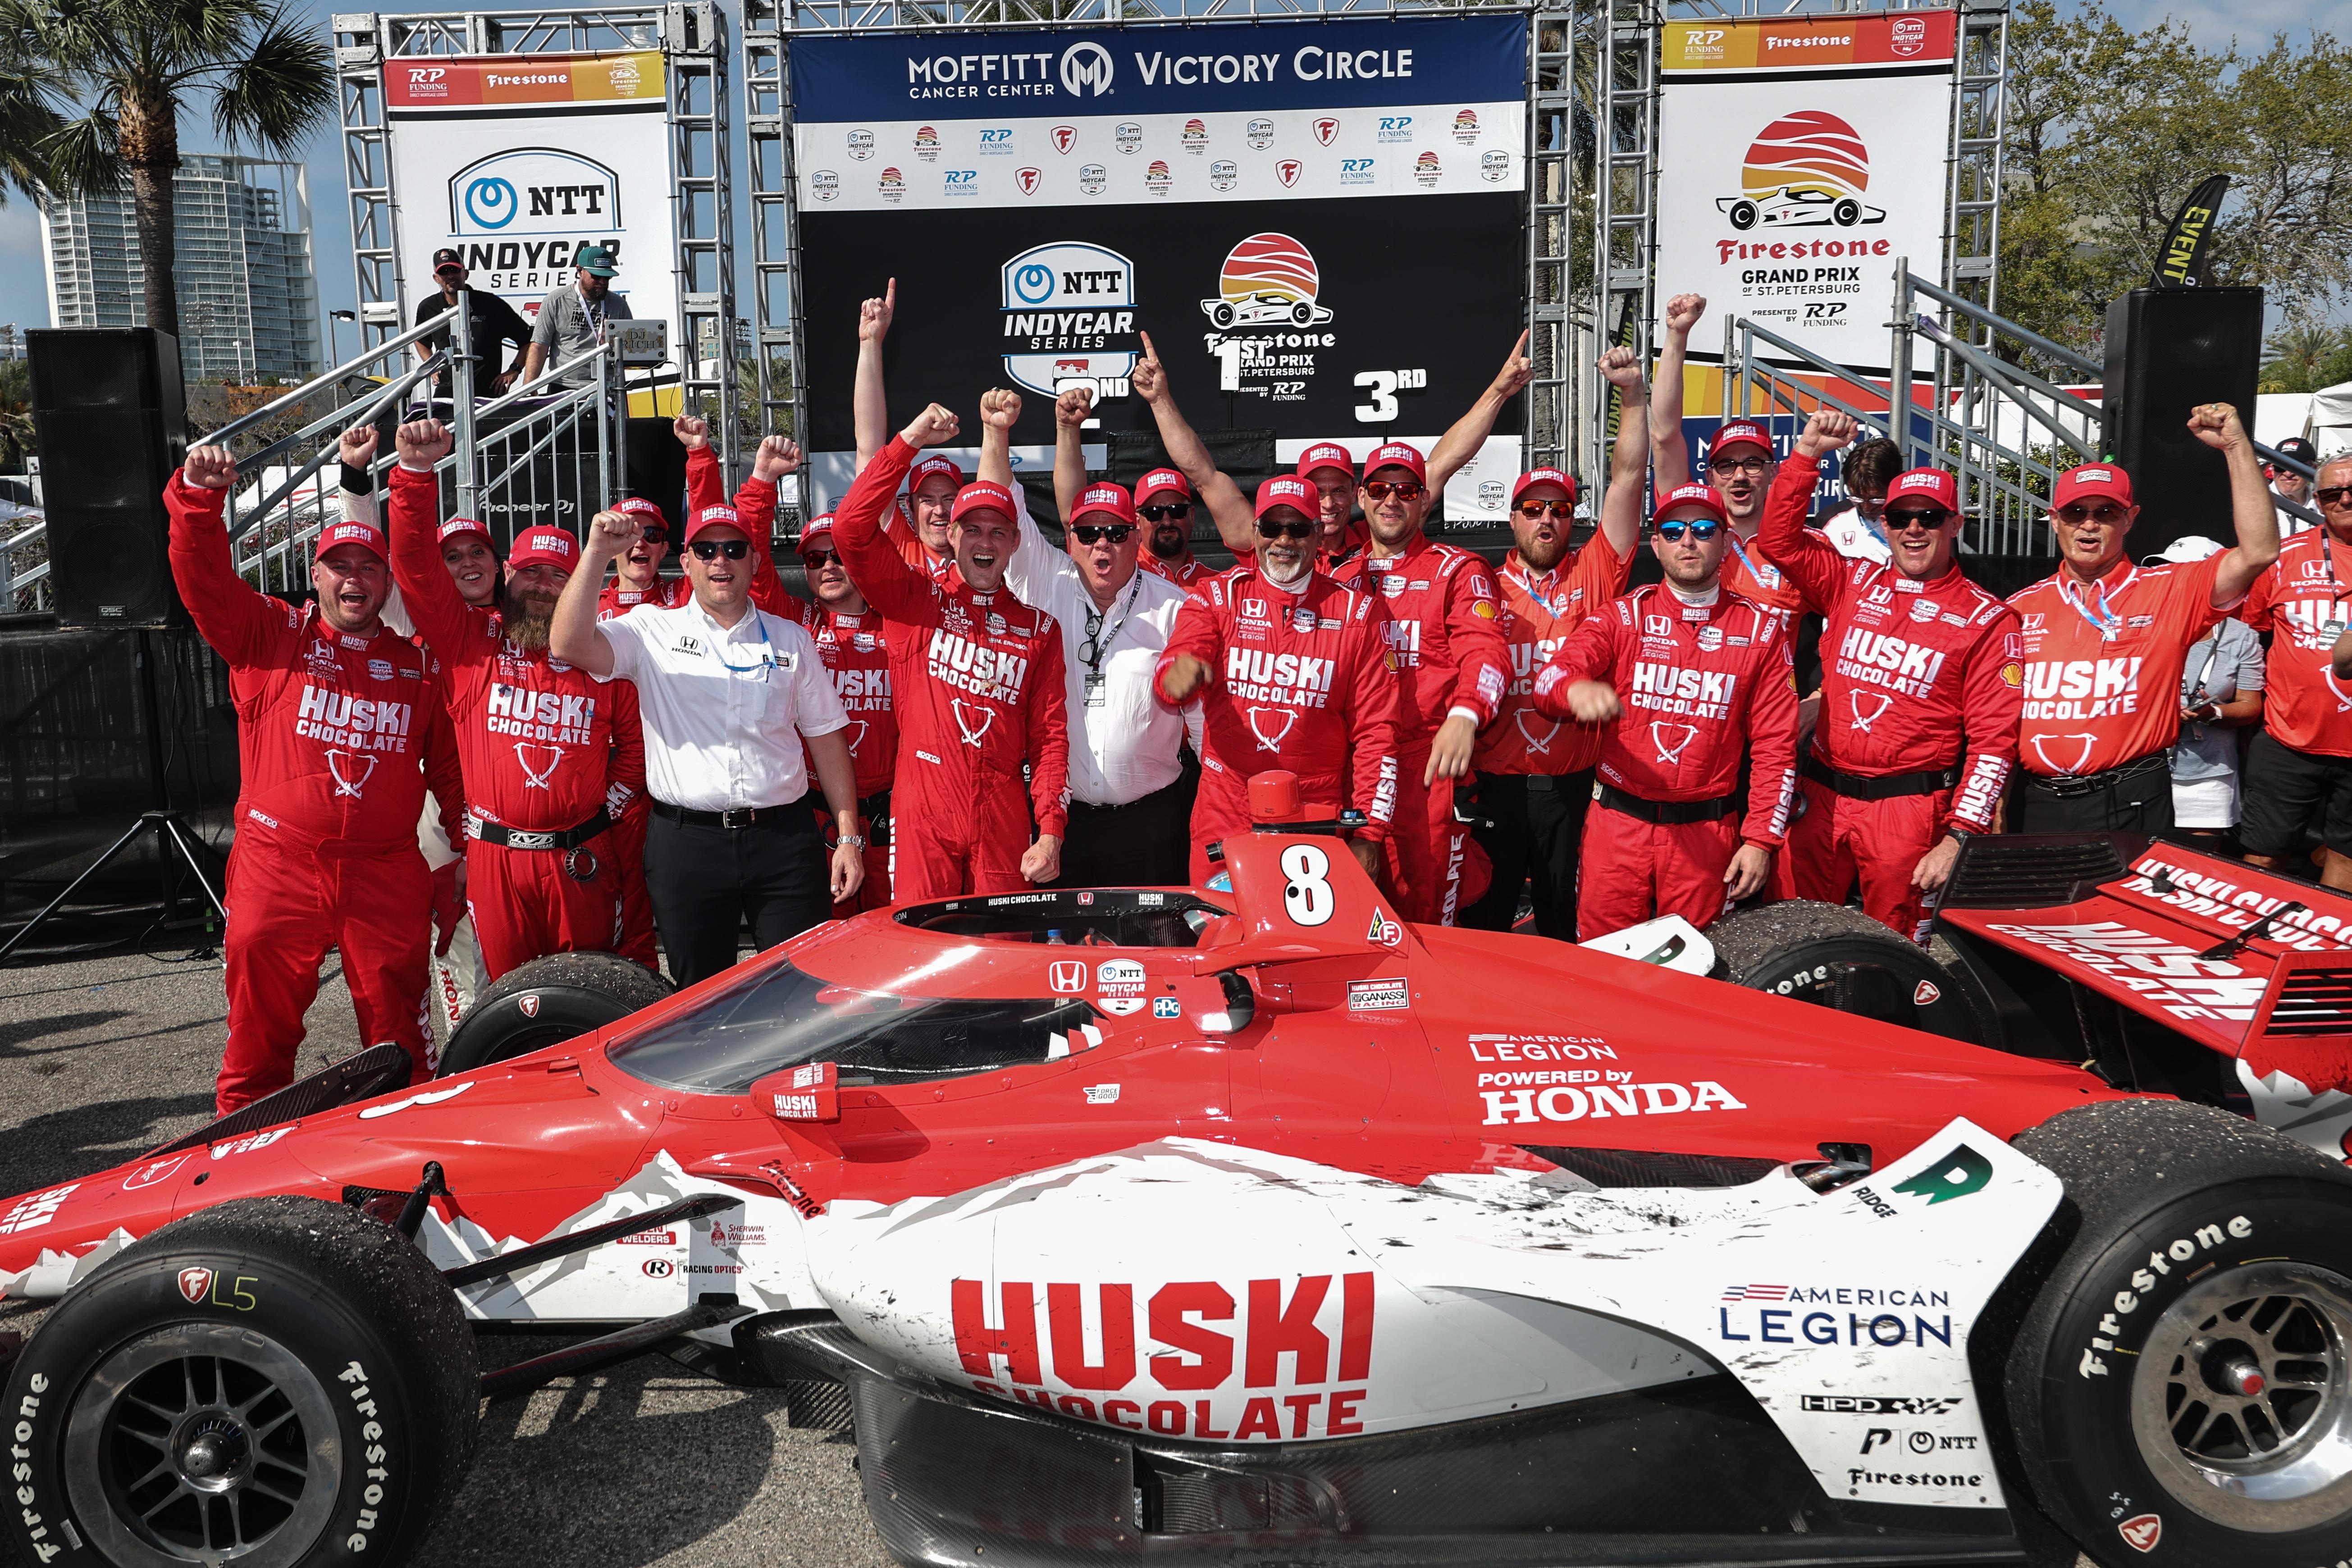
(595, 259)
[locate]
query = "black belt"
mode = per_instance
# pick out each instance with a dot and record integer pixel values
(1666, 812)
(1089, 808)
(740, 817)
(1886, 786)
(534, 838)
(2066, 786)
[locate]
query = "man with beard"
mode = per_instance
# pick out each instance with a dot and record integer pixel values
(571, 320)
(1293, 672)
(543, 743)
(2105, 642)
(342, 725)
(1738, 465)
(1535, 774)
(854, 643)
(1163, 505)
(921, 524)
(1692, 681)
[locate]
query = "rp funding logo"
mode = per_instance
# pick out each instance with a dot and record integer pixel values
(1805, 170)
(534, 191)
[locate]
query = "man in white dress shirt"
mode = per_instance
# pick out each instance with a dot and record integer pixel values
(1129, 804)
(722, 687)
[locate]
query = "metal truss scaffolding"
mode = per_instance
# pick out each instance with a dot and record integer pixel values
(1625, 185)
(1559, 318)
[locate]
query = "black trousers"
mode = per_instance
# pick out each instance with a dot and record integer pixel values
(1531, 825)
(705, 882)
(2141, 803)
(1146, 843)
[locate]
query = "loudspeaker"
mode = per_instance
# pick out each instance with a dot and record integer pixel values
(111, 423)
(2169, 349)
(658, 470)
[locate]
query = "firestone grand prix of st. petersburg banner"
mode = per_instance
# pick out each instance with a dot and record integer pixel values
(517, 161)
(1799, 159)
(1319, 223)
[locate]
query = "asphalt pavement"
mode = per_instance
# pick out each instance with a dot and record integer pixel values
(641, 1465)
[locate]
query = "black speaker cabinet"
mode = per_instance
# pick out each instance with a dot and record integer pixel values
(110, 425)
(2169, 349)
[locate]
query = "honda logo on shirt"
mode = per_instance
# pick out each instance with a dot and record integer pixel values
(1068, 978)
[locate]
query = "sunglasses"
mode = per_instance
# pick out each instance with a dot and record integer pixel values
(1562, 510)
(1170, 511)
(1701, 528)
(1404, 489)
(711, 549)
(818, 560)
(2105, 512)
(1267, 530)
(1931, 518)
(2333, 495)
(654, 533)
(1095, 532)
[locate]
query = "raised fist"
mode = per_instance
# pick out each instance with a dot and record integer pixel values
(874, 315)
(933, 426)
(692, 434)
(1000, 407)
(357, 446)
(1827, 431)
(1622, 368)
(776, 458)
(1186, 674)
(423, 443)
(1072, 407)
(2216, 425)
(210, 468)
(1684, 311)
(610, 534)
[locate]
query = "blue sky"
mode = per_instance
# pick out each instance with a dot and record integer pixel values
(23, 299)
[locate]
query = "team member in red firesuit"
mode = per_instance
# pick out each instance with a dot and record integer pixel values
(921, 524)
(754, 505)
(636, 574)
(1442, 626)
(1535, 774)
(854, 642)
(1738, 465)
(1691, 680)
(2105, 640)
(2300, 766)
(1921, 690)
(977, 678)
(342, 725)
(1293, 672)
(1163, 501)
(543, 744)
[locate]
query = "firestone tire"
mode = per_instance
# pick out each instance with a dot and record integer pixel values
(547, 1001)
(2193, 1251)
(1841, 959)
(278, 1382)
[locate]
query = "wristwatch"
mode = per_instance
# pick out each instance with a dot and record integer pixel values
(850, 841)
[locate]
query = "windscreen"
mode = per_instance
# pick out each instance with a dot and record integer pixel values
(779, 1016)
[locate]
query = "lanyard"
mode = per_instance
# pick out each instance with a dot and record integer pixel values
(1097, 639)
(1769, 576)
(2104, 620)
(767, 652)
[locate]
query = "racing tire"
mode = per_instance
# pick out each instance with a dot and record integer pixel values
(1742, 214)
(2191, 1245)
(1221, 315)
(1846, 212)
(278, 1373)
(1841, 959)
(547, 1001)
(1304, 315)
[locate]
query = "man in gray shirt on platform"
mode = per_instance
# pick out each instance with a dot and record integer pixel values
(572, 318)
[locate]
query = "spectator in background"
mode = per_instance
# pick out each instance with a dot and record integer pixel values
(2290, 486)
(490, 321)
(1857, 530)
(2221, 694)
(2299, 769)
(571, 320)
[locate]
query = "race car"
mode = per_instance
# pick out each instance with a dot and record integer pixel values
(1246, 1223)
(1795, 207)
(1260, 310)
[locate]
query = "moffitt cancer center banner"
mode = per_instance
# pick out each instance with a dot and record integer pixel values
(1800, 158)
(1320, 223)
(517, 161)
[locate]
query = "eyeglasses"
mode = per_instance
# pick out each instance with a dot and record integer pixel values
(654, 533)
(1740, 465)
(1931, 518)
(711, 549)
(451, 270)
(1270, 529)
(1168, 512)
(2105, 512)
(1404, 489)
(1701, 528)
(1562, 510)
(2333, 495)
(818, 560)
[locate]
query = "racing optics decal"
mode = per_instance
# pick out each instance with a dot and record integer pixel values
(2183, 1250)
(2166, 973)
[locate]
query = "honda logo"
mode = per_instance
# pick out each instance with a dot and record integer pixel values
(1067, 977)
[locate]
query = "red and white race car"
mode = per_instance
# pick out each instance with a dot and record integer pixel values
(1250, 1224)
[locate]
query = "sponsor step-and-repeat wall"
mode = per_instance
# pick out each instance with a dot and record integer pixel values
(1800, 158)
(1319, 223)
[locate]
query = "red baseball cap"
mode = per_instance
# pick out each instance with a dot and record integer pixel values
(711, 517)
(1290, 490)
(2104, 480)
(1739, 433)
(1933, 483)
(1326, 455)
(366, 535)
(929, 465)
(640, 504)
(1706, 496)
(1397, 454)
(985, 495)
(545, 547)
(1106, 497)
(816, 530)
(1535, 476)
(1161, 481)
(457, 525)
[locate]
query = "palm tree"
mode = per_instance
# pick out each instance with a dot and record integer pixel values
(2295, 355)
(31, 96)
(134, 64)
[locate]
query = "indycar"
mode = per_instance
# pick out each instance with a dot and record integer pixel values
(1249, 1224)
(1264, 310)
(1797, 207)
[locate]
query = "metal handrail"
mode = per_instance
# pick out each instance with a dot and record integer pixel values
(238, 426)
(1994, 370)
(2008, 328)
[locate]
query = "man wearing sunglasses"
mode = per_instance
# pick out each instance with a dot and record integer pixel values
(1292, 671)
(977, 678)
(2300, 766)
(1739, 464)
(1920, 693)
(1691, 682)
(2104, 642)
(1535, 774)
(2290, 486)
(854, 644)
(1444, 629)
(490, 323)
(1164, 504)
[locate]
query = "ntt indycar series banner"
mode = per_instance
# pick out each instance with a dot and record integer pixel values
(1799, 159)
(1318, 222)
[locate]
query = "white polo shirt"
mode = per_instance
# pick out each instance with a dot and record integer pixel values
(724, 708)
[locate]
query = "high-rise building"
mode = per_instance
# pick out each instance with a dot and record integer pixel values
(248, 278)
